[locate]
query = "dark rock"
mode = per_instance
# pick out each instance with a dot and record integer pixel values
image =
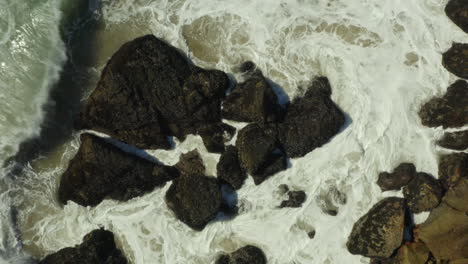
(311, 234)
(252, 101)
(101, 170)
(245, 255)
(423, 193)
(247, 66)
(195, 199)
(296, 199)
(379, 232)
(229, 169)
(98, 247)
(455, 140)
(452, 168)
(148, 91)
(191, 163)
(332, 212)
(457, 11)
(215, 136)
(400, 177)
(259, 152)
(311, 120)
(451, 110)
(455, 60)
(409, 253)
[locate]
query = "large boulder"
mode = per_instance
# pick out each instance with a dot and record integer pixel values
(400, 177)
(98, 247)
(455, 60)
(379, 233)
(457, 11)
(101, 170)
(311, 120)
(452, 168)
(245, 255)
(195, 199)
(451, 110)
(229, 169)
(454, 140)
(149, 91)
(252, 101)
(423, 193)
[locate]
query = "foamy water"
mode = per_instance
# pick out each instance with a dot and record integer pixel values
(383, 59)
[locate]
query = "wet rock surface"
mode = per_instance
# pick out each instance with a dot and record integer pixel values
(400, 177)
(195, 199)
(245, 255)
(191, 163)
(311, 120)
(457, 11)
(423, 193)
(455, 140)
(451, 110)
(98, 247)
(229, 169)
(148, 91)
(379, 232)
(101, 170)
(295, 199)
(455, 60)
(452, 168)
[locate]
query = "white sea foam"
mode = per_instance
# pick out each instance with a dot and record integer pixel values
(383, 59)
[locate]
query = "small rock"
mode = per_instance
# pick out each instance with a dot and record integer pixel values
(452, 168)
(400, 177)
(247, 66)
(191, 163)
(195, 199)
(455, 140)
(311, 234)
(229, 169)
(215, 136)
(455, 60)
(379, 232)
(98, 247)
(283, 188)
(457, 11)
(245, 255)
(296, 199)
(423, 193)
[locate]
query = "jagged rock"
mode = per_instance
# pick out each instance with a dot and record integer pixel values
(455, 140)
(148, 91)
(445, 233)
(245, 255)
(423, 193)
(457, 11)
(194, 199)
(259, 152)
(451, 110)
(252, 101)
(400, 177)
(191, 163)
(296, 199)
(229, 169)
(379, 232)
(215, 136)
(457, 196)
(311, 120)
(101, 170)
(455, 60)
(452, 168)
(98, 247)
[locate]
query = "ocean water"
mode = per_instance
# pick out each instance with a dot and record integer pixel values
(383, 60)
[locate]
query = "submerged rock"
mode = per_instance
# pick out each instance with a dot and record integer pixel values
(400, 177)
(101, 170)
(252, 101)
(455, 60)
(452, 168)
(195, 199)
(98, 247)
(191, 163)
(148, 91)
(245, 255)
(296, 199)
(311, 120)
(423, 193)
(229, 169)
(379, 232)
(454, 140)
(457, 11)
(451, 110)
